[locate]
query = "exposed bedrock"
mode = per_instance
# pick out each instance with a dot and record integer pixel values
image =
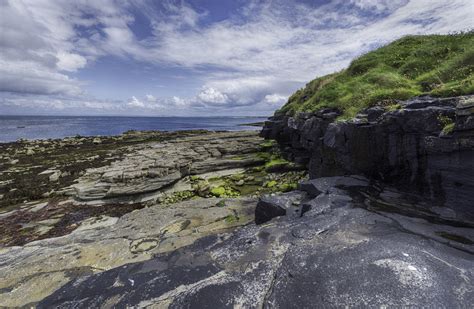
(423, 145)
(31, 272)
(153, 166)
(351, 247)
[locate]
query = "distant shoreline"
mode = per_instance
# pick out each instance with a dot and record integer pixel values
(121, 136)
(131, 116)
(14, 128)
(253, 124)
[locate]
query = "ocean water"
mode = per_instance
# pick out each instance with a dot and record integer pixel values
(13, 128)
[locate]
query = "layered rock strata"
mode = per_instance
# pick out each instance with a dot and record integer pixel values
(154, 166)
(424, 145)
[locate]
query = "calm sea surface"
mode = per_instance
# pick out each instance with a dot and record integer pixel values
(13, 128)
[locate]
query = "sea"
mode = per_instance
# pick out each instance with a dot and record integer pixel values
(13, 128)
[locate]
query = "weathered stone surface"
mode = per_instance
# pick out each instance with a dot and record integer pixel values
(31, 272)
(346, 251)
(406, 147)
(154, 166)
(271, 206)
(206, 166)
(56, 164)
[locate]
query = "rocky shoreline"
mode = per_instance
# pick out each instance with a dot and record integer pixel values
(325, 246)
(424, 146)
(222, 219)
(53, 190)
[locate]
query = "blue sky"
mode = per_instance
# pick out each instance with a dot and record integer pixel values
(192, 57)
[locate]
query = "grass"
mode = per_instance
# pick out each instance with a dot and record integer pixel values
(393, 107)
(448, 128)
(268, 144)
(230, 219)
(438, 65)
(275, 161)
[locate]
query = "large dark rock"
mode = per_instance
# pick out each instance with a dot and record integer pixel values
(353, 248)
(271, 206)
(299, 134)
(405, 147)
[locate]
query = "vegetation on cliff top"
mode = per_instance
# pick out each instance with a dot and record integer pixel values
(438, 65)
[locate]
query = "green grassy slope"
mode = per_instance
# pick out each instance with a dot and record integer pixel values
(439, 65)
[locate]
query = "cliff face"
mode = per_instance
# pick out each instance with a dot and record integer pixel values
(423, 145)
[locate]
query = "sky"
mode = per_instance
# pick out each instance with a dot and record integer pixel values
(192, 57)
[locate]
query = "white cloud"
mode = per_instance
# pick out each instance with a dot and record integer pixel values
(150, 98)
(179, 102)
(275, 98)
(134, 102)
(378, 5)
(212, 96)
(70, 62)
(33, 78)
(41, 42)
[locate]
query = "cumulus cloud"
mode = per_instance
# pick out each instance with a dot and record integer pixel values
(179, 102)
(18, 103)
(212, 96)
(150, 103)
(134, 102)
(275, 98)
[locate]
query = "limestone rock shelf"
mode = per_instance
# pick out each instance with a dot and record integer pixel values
(153, 166)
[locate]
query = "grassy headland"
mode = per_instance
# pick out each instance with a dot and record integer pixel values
(438, 65)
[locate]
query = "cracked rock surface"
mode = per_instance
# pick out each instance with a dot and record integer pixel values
(153, 166)
(33, 271)
(354, 245)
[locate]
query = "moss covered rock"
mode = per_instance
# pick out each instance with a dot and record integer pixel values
(218, 191)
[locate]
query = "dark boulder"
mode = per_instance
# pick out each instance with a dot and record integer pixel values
(271, 206)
